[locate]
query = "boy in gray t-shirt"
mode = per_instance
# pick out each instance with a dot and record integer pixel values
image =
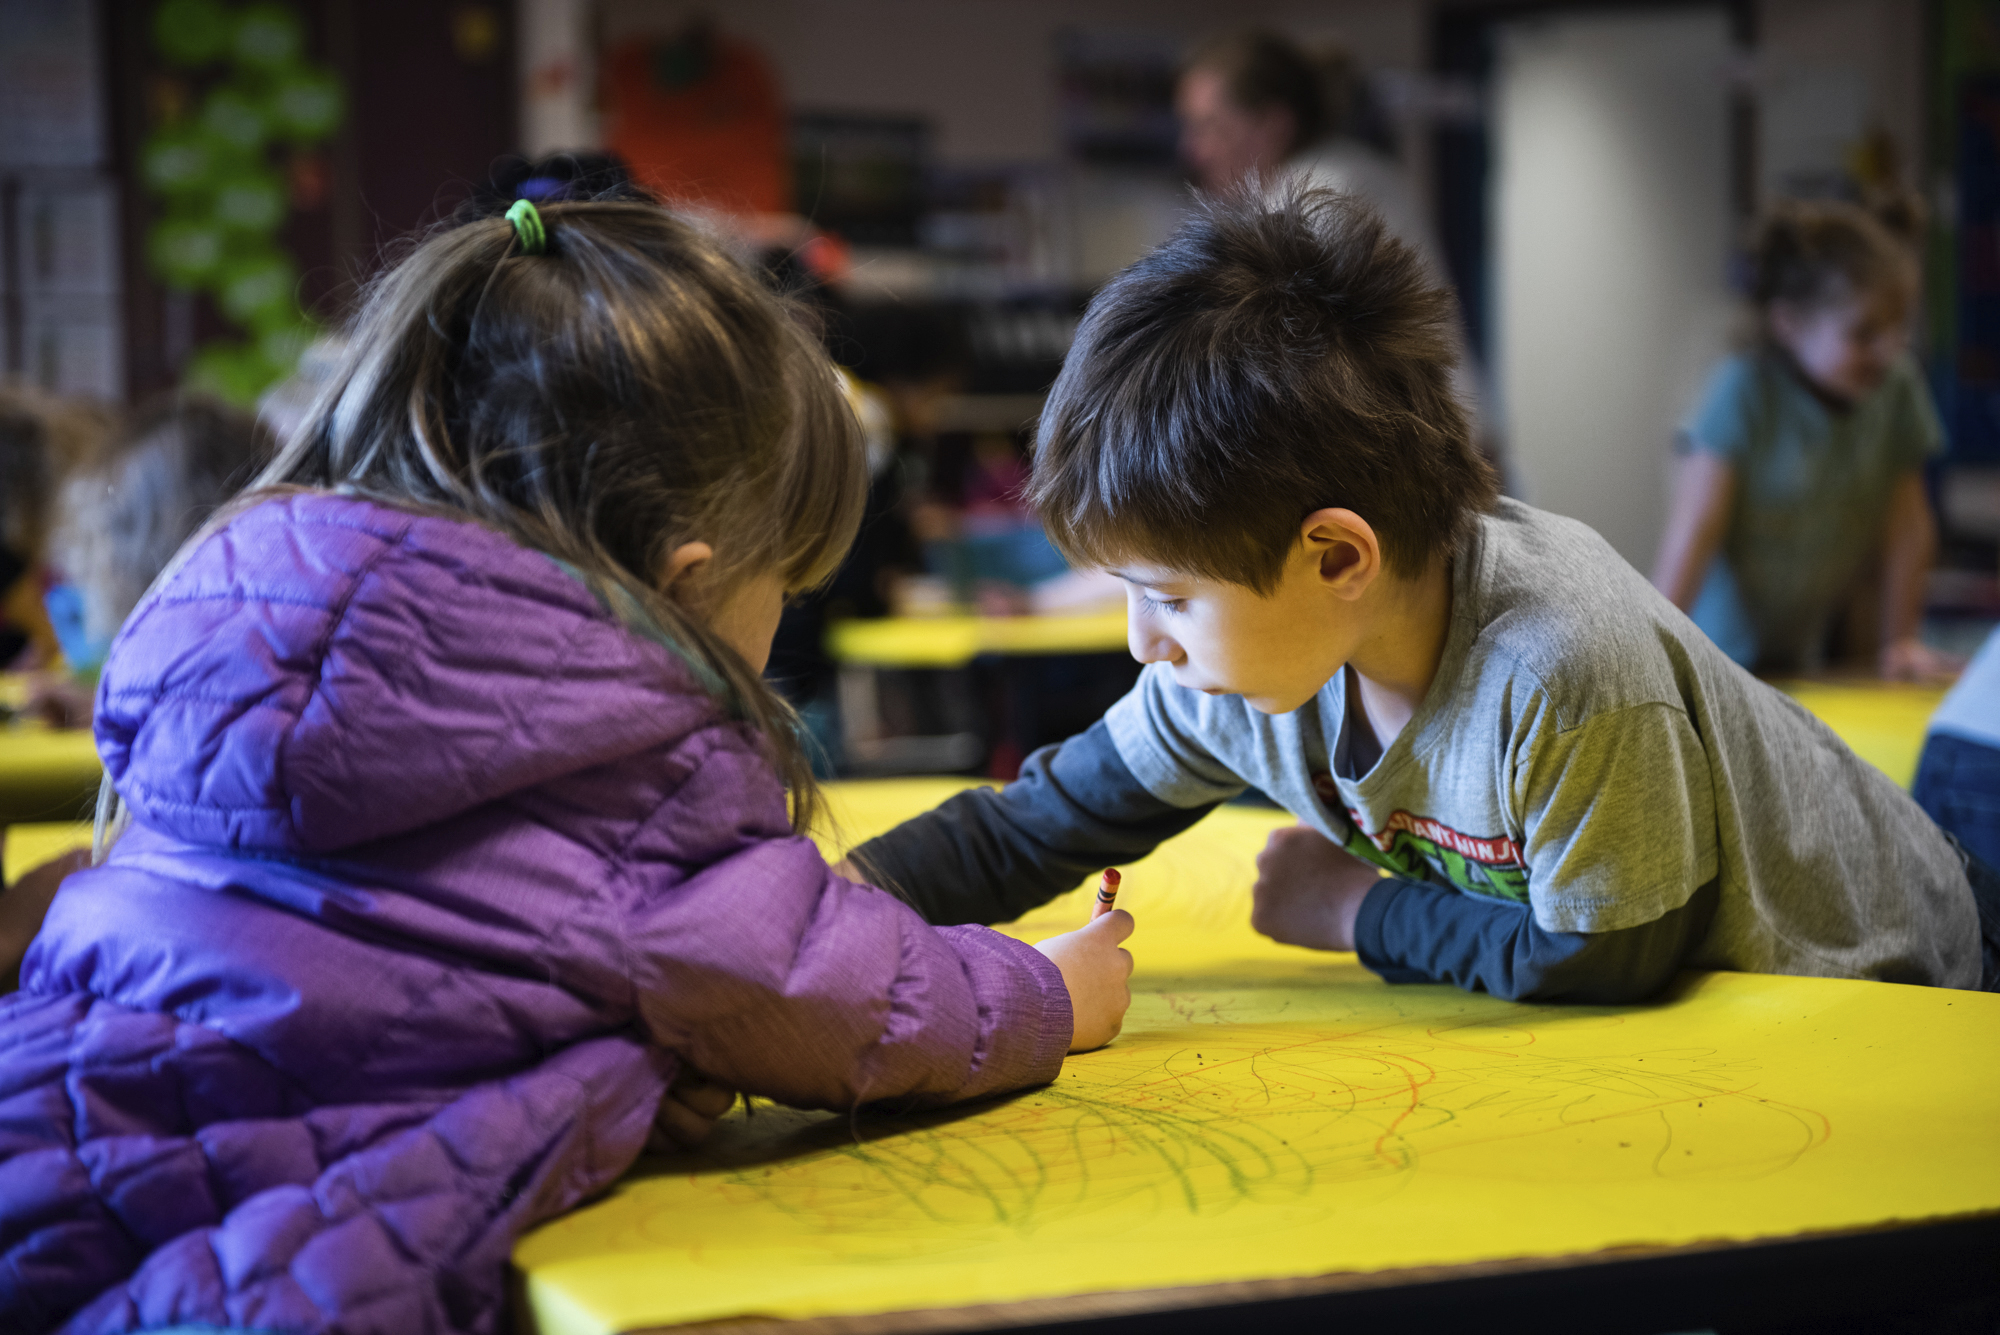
(1573, 792)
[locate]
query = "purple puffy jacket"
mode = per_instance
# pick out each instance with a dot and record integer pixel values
(437, 872)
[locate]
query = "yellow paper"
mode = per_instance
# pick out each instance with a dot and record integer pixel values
(1274, 1112)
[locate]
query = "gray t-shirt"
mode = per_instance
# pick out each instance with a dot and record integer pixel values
(1584, 749)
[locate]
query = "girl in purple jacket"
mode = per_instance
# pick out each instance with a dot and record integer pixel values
(455, 829)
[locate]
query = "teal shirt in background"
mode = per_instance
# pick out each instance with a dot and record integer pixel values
(1812, 499)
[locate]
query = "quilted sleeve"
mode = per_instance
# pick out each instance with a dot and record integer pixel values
(771, 974)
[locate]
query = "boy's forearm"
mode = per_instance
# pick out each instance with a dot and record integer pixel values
(990, 855)
(1413, 931)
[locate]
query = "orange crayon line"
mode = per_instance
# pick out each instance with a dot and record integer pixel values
(1107, 893)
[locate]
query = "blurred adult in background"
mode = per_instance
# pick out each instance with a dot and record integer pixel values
(1800, 503)
(41, 439)
(1255, 106)
(120, 516)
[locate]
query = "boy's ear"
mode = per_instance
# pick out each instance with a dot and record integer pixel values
(1348, 553)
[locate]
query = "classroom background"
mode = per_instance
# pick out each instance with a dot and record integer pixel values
(192, 191)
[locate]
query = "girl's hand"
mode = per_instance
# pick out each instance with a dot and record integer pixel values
(1098, 974)
(688, 1111)
(1910, 659)
(1309, 890)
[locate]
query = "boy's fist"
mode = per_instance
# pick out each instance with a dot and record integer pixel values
(1308, 890)
(1098, 974)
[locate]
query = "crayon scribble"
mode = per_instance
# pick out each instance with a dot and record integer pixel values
(1215, 1099)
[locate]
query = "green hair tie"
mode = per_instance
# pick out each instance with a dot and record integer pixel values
(528, 227)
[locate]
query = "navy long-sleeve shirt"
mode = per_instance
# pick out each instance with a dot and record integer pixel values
(990, 855)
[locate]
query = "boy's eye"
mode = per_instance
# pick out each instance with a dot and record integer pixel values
(1168, 605)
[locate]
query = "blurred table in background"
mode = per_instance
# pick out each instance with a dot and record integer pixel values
(29, 846)
(45, 774)
(1019, 694)
(954, 641)
(1883, 721)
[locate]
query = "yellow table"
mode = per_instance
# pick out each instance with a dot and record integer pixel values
(954, 641)
(1271, 1115)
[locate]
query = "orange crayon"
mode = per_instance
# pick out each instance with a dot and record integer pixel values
(1107, 894)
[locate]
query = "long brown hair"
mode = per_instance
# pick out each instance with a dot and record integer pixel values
(631, 389)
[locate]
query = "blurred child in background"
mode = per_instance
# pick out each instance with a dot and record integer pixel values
(40, 440)
(122, 513)
(1802, 474)
(978, 532)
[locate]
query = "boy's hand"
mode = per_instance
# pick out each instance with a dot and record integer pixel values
(1309, 890)
(689, 1110)
(1098, 974)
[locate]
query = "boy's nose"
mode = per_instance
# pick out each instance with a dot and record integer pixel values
(1147, 644)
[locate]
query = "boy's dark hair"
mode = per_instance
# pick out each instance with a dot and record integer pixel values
(1261, 70)
(1273, 358)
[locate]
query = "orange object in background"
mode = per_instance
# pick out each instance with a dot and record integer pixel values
(700, 119)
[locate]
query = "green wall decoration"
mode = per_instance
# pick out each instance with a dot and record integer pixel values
(214, 168)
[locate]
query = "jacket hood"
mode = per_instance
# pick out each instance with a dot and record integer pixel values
(323, 672)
